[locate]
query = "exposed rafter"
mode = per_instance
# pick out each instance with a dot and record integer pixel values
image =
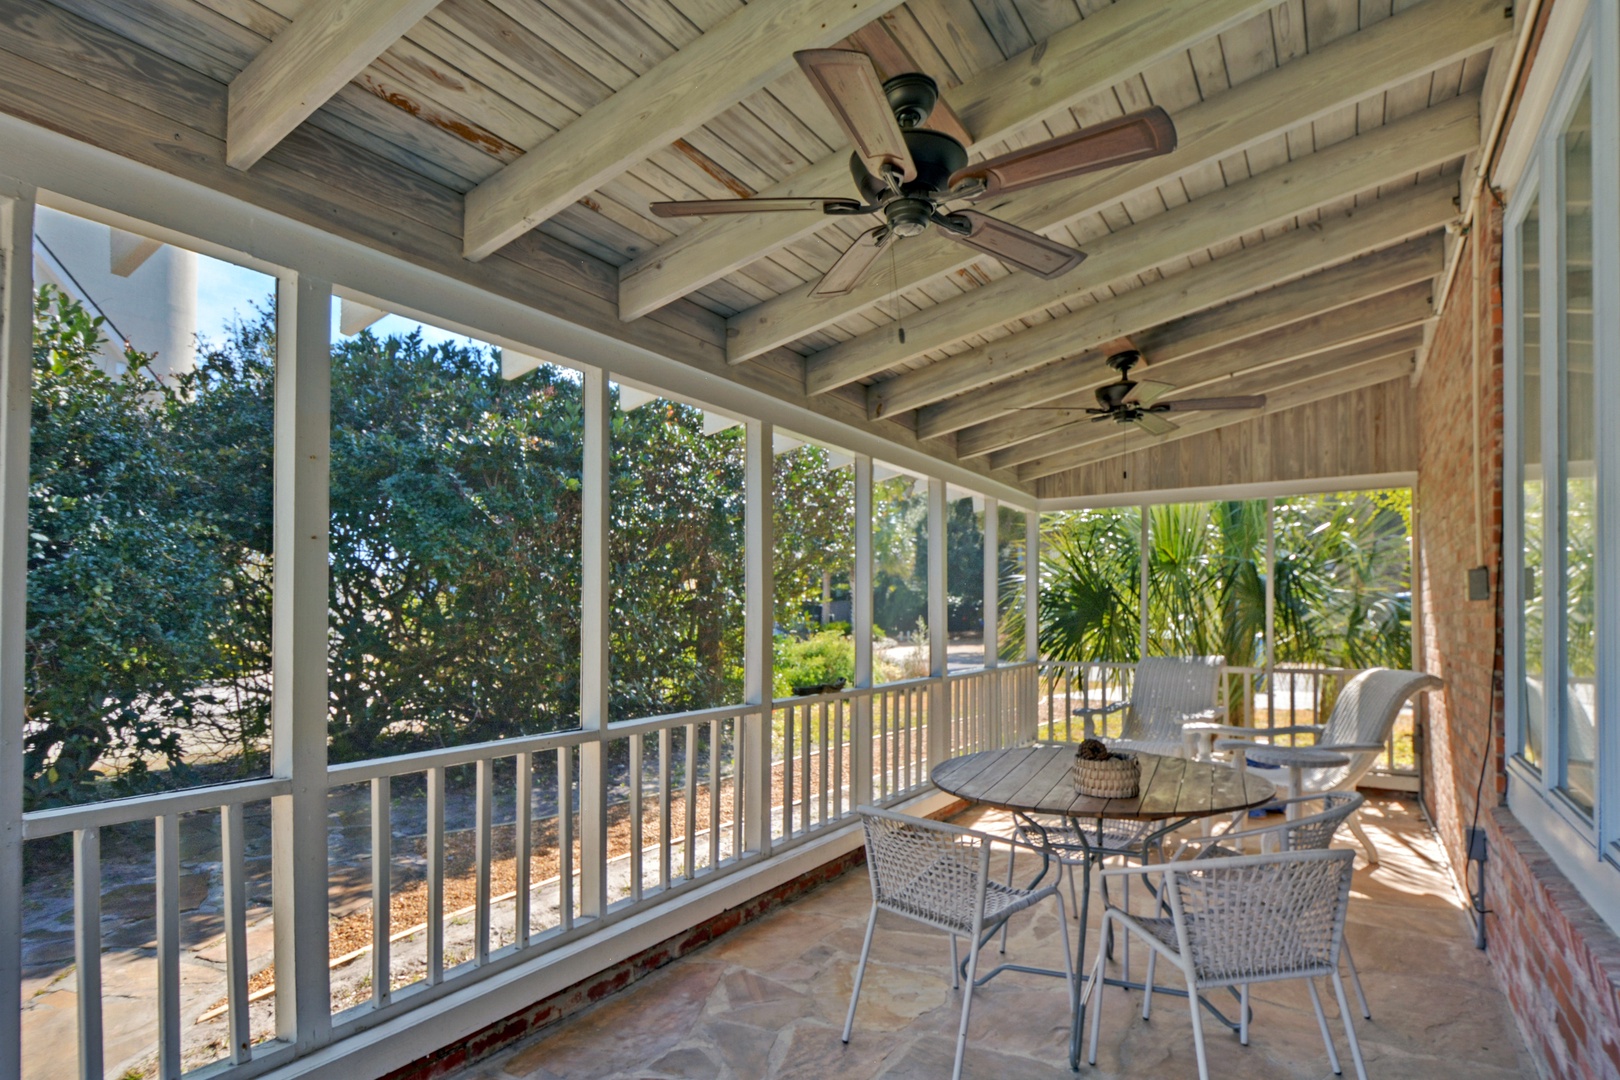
(329, 43)
(1074, 63)
(1359, 164)
(748, 49)
(1337, 239)
(1421, 39)
(1326, 306)
(1331, 384)
(1273, 358)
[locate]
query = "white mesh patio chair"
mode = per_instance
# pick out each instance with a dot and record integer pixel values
(1312, 832)
(1240, 921)
(1359, 726)
(1166, 693)
(939, 875)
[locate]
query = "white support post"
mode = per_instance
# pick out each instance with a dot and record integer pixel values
(298, 659)
(1145, 570)
(992, 583)
(1270, 596)
(1032, 617)
(16, 378)
(995, 709)
(594, 687)
(861, 623)
(939, 698)
(1032, 585)
(759, 654)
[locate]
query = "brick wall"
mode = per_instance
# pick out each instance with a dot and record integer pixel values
(1557, 960)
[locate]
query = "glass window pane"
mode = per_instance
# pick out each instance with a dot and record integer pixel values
(1580, 419)
(1532, 701)
(455, 542)
(964, 578)
(149, 513)
(899, 574)
(1010, 588)
(814, 527)
(677, 543)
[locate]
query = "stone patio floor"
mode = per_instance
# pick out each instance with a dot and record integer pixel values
(769, 999)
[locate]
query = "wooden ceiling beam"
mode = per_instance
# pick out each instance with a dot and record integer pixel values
(1345, 381)
(1331, 241)
(1339, 240)
(748, 49)
(328, 44)
(1357, 165)
(1110, 46)
(1329, 304)
(1225, 372)
(1421, 39)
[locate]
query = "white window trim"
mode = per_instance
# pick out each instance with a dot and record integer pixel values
(1585, 43)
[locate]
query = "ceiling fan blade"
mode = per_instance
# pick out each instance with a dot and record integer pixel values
(852, 265)
(848, 83)
(705, 207)
(1253, 401)
(1154, 424)
(1149, 392)
(1030, 252)
(1129, 138)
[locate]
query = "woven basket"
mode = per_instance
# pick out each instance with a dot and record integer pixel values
(1118, 777)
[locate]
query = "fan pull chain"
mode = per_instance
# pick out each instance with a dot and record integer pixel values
(899, 310)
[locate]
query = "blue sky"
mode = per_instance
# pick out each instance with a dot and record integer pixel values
(227, 292)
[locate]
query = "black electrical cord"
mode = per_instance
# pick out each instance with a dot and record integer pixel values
(1476, 894)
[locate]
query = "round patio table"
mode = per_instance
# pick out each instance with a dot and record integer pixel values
(1039, 780)
(1296, 759)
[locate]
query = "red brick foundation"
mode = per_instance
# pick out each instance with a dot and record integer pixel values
(1557, 961)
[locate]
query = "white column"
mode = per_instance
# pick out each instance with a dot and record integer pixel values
(1032, 585)
(861, 621)
(593, 637)
(939, 720)
(1032, 617)
(1142, 600)
(16, 376)
(992, 583)
(754, 763)
(298, 658)
(1271, 590)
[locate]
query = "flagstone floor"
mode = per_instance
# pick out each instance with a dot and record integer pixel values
(769, 1000)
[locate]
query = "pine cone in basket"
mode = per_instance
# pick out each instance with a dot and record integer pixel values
(1093, 750)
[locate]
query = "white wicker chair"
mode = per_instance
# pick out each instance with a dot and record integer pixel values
(1358, 726)
(939, 875)
(1167, 692)
(1238, 921)
(1314, 832)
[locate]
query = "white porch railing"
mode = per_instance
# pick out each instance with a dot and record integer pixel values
(679, 795)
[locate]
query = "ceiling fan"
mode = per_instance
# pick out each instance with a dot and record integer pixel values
(1127, 402)
(917, 178)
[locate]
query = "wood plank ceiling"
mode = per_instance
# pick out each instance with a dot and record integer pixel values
(1287, 247)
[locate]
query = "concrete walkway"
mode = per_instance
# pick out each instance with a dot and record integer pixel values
(769, 999)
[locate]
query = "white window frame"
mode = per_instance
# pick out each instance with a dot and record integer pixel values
(1586, 848)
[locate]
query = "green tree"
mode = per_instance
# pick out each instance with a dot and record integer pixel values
(129, 572)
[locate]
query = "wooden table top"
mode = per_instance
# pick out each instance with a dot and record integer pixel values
(1039, 780)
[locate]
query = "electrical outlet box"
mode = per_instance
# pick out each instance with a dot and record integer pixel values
(1479, 583)
(1478, 848)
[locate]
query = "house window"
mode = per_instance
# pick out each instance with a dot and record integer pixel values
(1561, 262)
